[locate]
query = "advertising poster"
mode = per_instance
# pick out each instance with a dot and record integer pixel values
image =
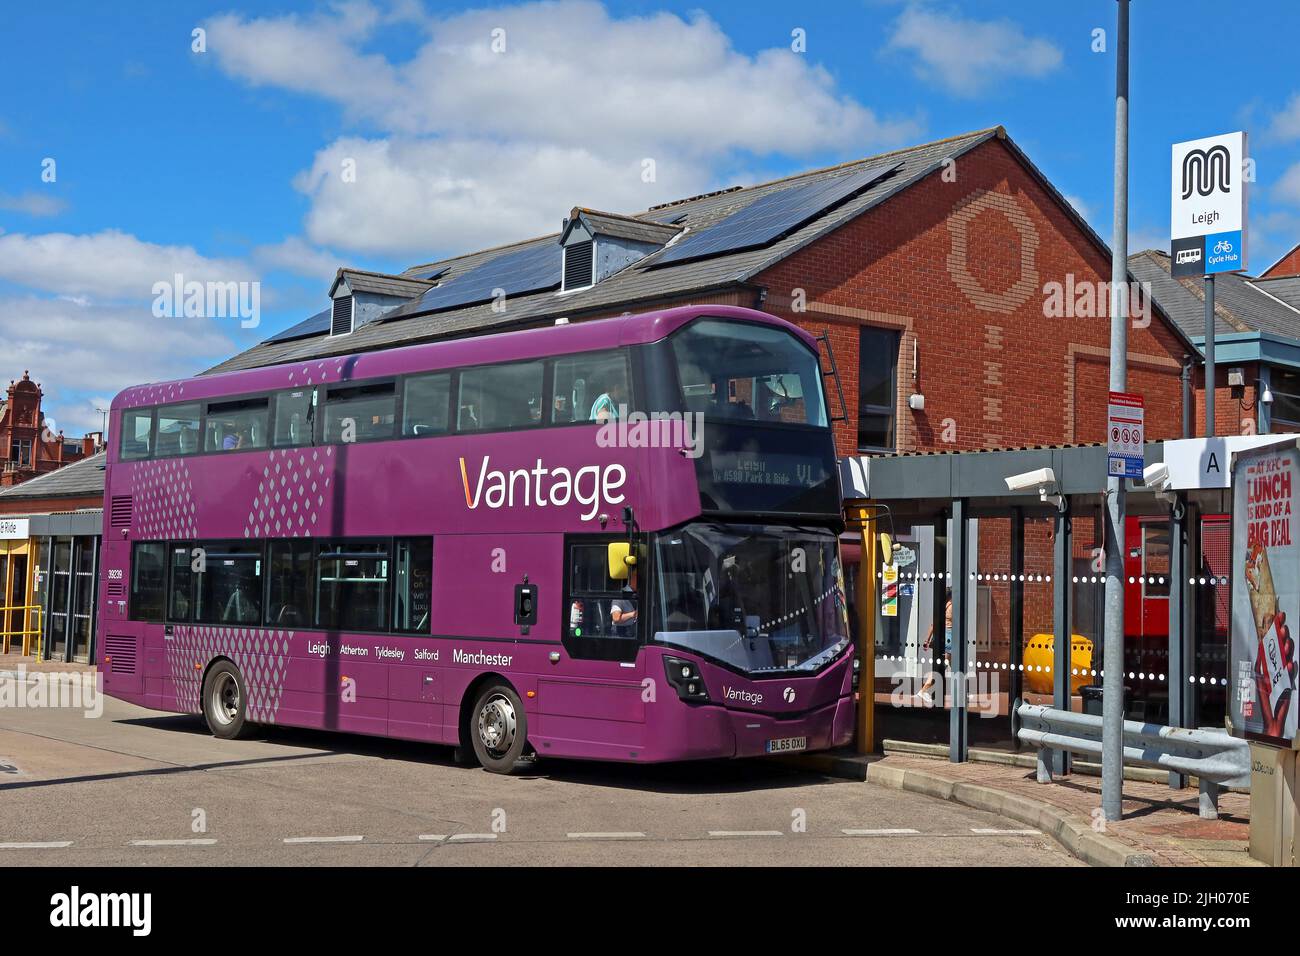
(1265, 594)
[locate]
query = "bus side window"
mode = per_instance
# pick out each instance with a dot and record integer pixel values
(413, 585)
(598, 606)
(289, 594)
(293, 417)
(148, 580)
(180, 599)
(590, 387)
(498, 397)
(425, 404)
(360, 412)
(178, 429)
(137, 434)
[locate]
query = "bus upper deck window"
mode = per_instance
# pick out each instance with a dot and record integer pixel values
(137, 434)
(293, 417)
(178, 429)
(235, 426)
(360, 412)
(425, 404)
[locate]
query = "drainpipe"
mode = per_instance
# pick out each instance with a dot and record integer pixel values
(1187, 396)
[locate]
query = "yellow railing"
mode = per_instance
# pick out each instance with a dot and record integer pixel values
(6, 632)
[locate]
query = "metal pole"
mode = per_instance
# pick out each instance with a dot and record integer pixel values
(1209, 357)
(958, 739)
(1016, 652)
(1112, 709)
(867, 601)
(1062, 624)
(1179, 668)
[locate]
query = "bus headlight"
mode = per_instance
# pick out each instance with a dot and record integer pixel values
(685, 678)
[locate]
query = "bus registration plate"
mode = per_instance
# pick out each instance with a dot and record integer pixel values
(785, 745)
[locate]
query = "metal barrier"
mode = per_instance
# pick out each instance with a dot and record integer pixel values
(1215, 758)
(5, 633)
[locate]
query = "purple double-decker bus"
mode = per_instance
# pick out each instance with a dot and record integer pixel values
(612, 540)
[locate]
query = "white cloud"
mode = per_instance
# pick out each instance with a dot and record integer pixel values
(1286, 123)
(299, 257)
(108, 264)
(81, 351)
(1288, 187)
(32, 204)
(967, 56)
(477, 147)
(453, 195)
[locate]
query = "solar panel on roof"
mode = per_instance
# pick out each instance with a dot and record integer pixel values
(773, 216)
(530, 269)
(431, 274)
(318, 324)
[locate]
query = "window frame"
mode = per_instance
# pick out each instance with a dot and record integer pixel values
(152, 412)
(243, 400)
(210, 547)
(547, 389)
(316, 581)
(873, 409)
(201, 430)
(621, 649)
(322, 412)
(132, 606)
(405, 380)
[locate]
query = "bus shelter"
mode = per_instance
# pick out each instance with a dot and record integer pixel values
(964, 618)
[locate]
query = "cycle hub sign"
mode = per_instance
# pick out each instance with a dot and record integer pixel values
(1207, 228)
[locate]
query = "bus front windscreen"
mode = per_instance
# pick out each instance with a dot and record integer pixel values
(757, 598)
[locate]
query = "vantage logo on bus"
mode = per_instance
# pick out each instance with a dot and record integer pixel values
(591, 486)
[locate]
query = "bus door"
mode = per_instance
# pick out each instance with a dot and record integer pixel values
(596, 696)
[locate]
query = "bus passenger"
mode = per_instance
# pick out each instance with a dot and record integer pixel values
(607, 404)
(622, 610)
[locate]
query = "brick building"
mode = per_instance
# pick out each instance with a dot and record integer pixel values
(29, 447)
(930, 275)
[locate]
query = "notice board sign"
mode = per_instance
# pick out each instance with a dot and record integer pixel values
(1263, 665)
(1125, 432)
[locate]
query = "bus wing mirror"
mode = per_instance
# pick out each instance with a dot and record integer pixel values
(621, 560)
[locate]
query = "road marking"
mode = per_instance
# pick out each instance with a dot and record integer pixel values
(607, 836)
(897, 832)
(432, 837)
(324, 839)
(745, 833)
(989, 831)
(196, 842)
(53, 845)
(470, 837)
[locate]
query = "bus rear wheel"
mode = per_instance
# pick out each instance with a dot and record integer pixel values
(498, 728)
(225, 702)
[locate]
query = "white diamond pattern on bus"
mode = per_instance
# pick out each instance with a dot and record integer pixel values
(291, 493)
(163, 494)
(261, 656)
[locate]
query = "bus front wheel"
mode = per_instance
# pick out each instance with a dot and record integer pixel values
(225, 702)
(498, 728)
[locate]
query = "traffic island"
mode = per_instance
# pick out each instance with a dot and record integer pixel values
(1161, 827)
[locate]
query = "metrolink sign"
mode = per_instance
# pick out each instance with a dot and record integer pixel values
(1207, 227)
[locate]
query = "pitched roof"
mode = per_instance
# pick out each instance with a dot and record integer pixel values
(1286, 288)
(81, 478)
(381, 283)
(1241, 304)
(638, 282)
(624, 227)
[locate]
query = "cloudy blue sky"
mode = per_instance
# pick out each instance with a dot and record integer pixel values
(228, 163)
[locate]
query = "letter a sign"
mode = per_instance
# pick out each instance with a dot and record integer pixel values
(1207, 229)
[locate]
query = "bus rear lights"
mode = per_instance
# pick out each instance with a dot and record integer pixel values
(685, 678)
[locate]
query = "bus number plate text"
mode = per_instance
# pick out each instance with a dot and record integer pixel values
(785, 745)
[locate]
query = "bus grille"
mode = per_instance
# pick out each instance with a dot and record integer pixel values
(119, 512)
(120, 652)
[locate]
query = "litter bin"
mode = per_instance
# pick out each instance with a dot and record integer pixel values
(1273, 806)
(1091, 694)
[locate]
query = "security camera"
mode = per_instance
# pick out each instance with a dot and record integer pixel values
(1156, 477)
(1031, 479)
(1044, 479)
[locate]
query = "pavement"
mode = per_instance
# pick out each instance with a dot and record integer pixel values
(138, 787)
(1160, 826)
